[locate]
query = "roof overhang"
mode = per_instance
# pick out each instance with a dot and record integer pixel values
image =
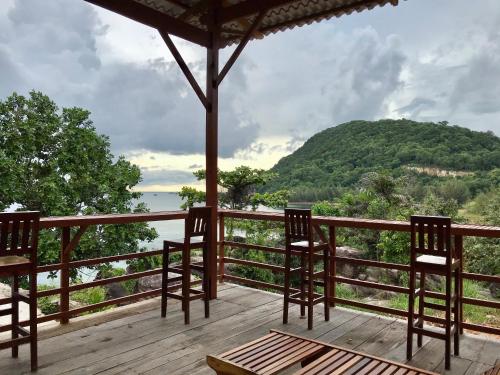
(189, 19)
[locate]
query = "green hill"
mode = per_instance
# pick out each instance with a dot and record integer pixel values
(336, 158)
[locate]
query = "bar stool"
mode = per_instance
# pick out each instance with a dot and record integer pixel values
(196, 236)
(431, 253)
(18, 257)
(299, 242)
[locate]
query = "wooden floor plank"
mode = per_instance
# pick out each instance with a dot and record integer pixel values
(146, 344)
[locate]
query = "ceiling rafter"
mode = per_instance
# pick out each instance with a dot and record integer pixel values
(150, 17)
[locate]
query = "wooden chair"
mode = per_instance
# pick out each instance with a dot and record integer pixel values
(431, 253)
(299, 242)
(196, 236)
(18, 257)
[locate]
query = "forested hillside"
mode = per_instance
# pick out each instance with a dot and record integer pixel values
(336, 158)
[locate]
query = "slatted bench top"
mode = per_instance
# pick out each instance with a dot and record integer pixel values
(267, 355)
(277, 351)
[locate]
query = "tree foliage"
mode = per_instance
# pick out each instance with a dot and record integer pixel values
(337, 158)
(53, 161)
(239, 189)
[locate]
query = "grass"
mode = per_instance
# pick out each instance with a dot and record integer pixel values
(472, 314)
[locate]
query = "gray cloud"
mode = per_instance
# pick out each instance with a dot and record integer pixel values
(478, 88)
(416, 106)
(141, 107)
(366, 66)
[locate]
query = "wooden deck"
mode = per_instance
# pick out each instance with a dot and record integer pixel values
(143, 343)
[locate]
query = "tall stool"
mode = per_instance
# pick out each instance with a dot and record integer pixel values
(431, 253)
(299, 242)
(196, 236)
(18, 257)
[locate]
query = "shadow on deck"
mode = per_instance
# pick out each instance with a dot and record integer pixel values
(143, 343)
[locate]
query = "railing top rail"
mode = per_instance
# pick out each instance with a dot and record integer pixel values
(84, 220)
(377, 224)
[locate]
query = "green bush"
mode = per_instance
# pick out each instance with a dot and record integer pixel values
(48, 305)
(89, 296)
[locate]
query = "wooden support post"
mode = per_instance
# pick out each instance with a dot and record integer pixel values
(333, 265)
(211, 150)
(64, 277)
(222, 233)
(459, 246)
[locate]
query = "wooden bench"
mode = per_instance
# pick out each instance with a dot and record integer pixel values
(278, 351)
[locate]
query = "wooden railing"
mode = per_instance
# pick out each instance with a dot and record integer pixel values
(73, 227)
(332, 223)
(79, 224)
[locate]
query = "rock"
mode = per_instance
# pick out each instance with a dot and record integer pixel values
(115, 290)
(348, 270)
(385, 295)
(375, 274)
(362, 276)
(154, 282)
(495, 290)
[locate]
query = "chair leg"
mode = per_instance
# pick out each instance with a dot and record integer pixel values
(411, 314)
(287, 286)
(33, 323)
(164, 281)
(447, 353)
(310, 290)
(15, 313)
(456, 344)
(302, 283)
(205, 286)
(186, 281)
(326, 281)
(421, 301)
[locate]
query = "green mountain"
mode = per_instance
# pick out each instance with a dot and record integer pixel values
(336, 158)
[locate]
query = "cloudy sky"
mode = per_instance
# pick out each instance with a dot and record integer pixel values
(429, 60)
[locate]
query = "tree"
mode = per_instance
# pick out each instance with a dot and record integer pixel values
(54, 162)
(240, 190)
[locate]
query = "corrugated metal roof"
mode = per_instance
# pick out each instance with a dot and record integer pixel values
(285, 16)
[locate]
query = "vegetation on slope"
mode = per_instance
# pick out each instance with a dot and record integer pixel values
(335, 159)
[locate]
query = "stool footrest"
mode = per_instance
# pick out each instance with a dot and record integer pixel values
(22, 331)
(434, 306)
(434, 334)
(5, 312)
(14, 342)
(193, 295)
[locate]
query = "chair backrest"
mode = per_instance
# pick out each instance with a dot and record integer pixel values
(298, 225)
(198, 222)
(431, 235)
(19, 234)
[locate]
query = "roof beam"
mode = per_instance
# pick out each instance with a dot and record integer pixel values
(240, 47)
(153, 18)
(185, 69)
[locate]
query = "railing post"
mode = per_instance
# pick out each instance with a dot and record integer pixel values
(222, 233)
(64, 277)
(459, 246)
(333, 265)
